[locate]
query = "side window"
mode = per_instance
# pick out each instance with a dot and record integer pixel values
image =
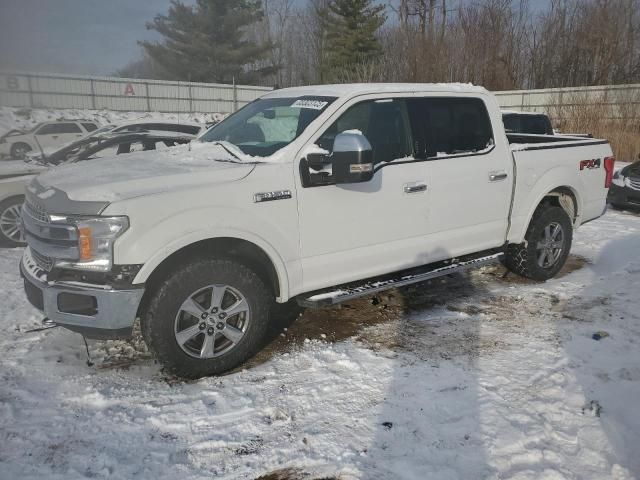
(449, 126)
(385, 123)
(46, 129)
(59, 128)
(101, 151)
(89, 127)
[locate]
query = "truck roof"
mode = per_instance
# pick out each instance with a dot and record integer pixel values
(351, 89)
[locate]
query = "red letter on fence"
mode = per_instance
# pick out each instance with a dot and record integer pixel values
(128, 90)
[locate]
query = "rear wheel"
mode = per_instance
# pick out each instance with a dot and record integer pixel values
(546, 247)
(209, 316)
(10, 222)
(19, 150)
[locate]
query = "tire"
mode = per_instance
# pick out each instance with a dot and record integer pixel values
(177, 338)
(541, 258)
(19, 150)
(10, 220)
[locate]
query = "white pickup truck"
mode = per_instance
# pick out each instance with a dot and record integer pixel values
(317, 194)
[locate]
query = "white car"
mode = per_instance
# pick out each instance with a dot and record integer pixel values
(44, 136)
(318, 194)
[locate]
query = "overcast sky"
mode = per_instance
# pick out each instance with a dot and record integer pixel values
(74, 36)
(92, 37)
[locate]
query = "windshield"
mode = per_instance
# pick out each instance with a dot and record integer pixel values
(266, 125)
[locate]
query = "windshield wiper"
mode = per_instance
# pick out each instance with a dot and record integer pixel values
(221, 144)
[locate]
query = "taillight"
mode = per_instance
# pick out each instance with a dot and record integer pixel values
(609, 163)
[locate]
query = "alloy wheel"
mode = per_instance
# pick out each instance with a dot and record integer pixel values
(212, 321)
(550, 246)
(11, 223)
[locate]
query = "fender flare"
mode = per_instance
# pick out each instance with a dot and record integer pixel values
(199, 235)
(552, 180)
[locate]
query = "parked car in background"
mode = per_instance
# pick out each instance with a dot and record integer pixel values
(15, 174)
(16, 144)
(526, 122)
(105, 144)
(625, 189)
(189, 128)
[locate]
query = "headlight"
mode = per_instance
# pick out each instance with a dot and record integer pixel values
(618, 179)
(96, 237)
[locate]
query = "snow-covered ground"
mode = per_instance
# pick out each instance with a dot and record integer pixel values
(25, 118)
(471, 377)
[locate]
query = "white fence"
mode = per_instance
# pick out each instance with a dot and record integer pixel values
(41, 90)
(618, 101)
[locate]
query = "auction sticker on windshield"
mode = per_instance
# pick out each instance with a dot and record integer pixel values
(313, 104)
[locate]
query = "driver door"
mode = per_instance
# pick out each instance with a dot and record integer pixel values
(354, 231)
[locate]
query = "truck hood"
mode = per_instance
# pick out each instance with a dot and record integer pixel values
(144, 173)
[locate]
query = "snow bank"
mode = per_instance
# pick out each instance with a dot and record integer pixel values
(474, 376)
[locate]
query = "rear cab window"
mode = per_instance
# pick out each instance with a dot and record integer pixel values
(90, 127)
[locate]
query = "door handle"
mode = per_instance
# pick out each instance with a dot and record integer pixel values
(414, 188)
(497, 176)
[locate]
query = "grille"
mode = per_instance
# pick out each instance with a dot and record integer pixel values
(45, 263)
(37, 211)
(634, 182)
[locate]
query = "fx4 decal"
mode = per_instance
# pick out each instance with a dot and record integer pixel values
(590, 164)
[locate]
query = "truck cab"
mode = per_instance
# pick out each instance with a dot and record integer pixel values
(312, 194)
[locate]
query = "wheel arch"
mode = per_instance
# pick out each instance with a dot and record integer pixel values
(244, 251)
(565, 196)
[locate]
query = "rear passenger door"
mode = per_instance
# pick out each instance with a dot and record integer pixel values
(469, 173)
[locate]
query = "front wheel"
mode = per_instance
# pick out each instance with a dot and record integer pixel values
(546, 247)
(19, 150)
(10, 222)
(208, 317)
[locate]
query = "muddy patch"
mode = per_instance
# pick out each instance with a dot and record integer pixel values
(500, 273)
(291, 474)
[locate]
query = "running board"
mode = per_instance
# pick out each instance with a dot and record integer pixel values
(328, 298)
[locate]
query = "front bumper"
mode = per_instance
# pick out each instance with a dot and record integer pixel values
(93, 310)
(624, 196)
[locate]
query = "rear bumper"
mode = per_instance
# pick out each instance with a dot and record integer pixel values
(5, 149)
(94, 311)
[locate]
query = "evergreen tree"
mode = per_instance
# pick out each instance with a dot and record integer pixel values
(350, 27)
(207, 42)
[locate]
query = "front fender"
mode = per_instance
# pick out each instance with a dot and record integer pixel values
(150, 243)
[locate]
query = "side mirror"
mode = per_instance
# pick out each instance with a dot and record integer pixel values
(352, 158)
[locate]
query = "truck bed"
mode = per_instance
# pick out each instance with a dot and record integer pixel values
(525, 141)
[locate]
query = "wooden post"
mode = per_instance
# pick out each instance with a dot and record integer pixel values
(93, 94)
(235, 95)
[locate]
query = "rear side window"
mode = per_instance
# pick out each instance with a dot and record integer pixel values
(90, 127)
(59, 128)
(449, 126)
